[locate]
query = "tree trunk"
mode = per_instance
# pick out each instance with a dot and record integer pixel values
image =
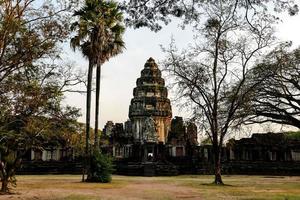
(98, 80)
(88, 107)
(88, 113)
(4, 186)
(217, 163)
(83, 174)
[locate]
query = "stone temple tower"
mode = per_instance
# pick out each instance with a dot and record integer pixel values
(150, 110)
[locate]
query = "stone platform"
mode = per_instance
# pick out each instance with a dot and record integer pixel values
(146, 169)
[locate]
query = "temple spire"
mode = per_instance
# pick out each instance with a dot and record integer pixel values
(150, 100)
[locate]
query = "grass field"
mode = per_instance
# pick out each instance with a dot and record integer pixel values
(69, 187)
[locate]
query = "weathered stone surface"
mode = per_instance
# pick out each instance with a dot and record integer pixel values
(150, 131)
(182, 133)
(108, 128)
(150, 99)
(265, 147)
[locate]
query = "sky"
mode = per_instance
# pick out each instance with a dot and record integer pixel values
(119, 74)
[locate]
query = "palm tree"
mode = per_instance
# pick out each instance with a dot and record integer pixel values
(99, 32)
(114, 46)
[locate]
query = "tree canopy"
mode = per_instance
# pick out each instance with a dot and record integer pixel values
(33, 79)
(30, 31)
(156, 13)
(32, 114)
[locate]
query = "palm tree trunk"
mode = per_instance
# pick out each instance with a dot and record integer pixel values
(98, 81)
(88, 113)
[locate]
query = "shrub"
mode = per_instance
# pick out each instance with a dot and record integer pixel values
(101, 168)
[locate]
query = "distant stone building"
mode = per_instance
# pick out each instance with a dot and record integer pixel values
(182, 138)
(54, 148)
(264, 147)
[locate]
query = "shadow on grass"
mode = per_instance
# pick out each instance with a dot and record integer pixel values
(282, 177)
(218, 185)
(9, 193)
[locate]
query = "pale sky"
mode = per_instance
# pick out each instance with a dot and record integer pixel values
(120, 73)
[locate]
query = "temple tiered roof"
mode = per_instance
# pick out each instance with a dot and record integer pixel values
(150, 96)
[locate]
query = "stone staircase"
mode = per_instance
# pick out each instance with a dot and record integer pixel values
(147, 169)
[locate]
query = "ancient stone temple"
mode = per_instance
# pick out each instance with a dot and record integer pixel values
(150, 110)
(150, 136)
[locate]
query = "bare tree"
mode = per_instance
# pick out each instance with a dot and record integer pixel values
(276, 98)
(211, 75)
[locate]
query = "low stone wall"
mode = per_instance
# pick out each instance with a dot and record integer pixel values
(187, 165)
(167, 168)
(262, 168)
(50, 167)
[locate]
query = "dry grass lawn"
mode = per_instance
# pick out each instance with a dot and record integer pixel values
(69, 187)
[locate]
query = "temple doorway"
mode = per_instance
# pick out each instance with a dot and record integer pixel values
(149, 153)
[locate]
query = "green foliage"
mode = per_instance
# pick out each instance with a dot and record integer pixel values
(31, 82)
(32, 116)
(101, 168)
(295, 135)
(206, 141)
(30, 31)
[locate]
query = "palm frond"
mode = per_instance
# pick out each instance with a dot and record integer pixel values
(99, 30)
